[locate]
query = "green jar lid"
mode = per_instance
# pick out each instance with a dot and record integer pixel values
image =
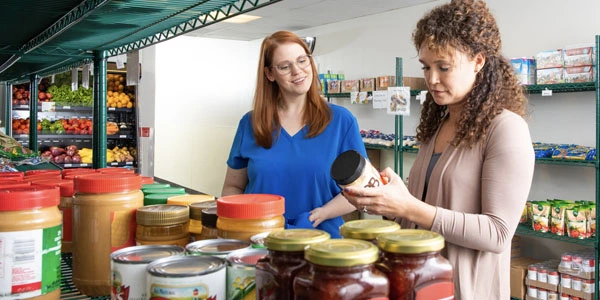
(151, 199)
(155, 186)
(168, 190)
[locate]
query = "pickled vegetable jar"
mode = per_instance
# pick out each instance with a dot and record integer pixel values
(413, 263)
(341, 269)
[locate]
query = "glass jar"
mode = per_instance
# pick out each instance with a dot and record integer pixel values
(196, 217)
(104, 208)
(30, 226)
(275, 273)
(341, 269)
(242, 216)
(162, 224)
(367, 229)
(209, 224)
(413, 263)
(352, 169)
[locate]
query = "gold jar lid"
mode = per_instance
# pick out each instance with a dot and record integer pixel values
(197, 207)
(367, 229)
(291, 240)
(162, 214)
(411, 241)
(342, 253)
(189, 199)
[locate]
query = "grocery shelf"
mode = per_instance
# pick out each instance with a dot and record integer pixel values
(525, 230)
(561, 87)
(378, 147)
(566, 162)
(347, 95)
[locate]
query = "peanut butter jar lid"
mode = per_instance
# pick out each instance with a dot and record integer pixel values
(197, 207)
(9, 175)
(342, 253)
(145, 254)
(13, 184)
(294, 240)
(162, 214)
(67, 172)
(411, 241)
(189, 199)
(42, 171)
(250, 206)
(66, 186)
(367, 229)
(32, 197)
(107, 183)
(347, 167)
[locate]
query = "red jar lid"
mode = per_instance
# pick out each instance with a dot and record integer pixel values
(67, 172)
(41, 171)
(107, 183)
(250, 206)
(66, 186)
(112, 170)
(13, 184)
(11, 175)
(32, 197)
(42, 176)
(147, 180)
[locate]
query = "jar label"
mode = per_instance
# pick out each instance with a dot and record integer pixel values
(435, 291)
(122, 229)
(30, 262)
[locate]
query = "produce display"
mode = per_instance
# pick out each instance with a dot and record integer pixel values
(122, 154)
(118, 95)
(64, 95)
(67, 155)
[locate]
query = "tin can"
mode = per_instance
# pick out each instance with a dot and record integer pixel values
(128, 269)
(588, 286)
(241, 273)
(187, 277)
(216, 247)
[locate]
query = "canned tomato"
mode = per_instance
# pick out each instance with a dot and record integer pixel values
(128, 269)
(216, 247)
(187, 277)
(241, 273)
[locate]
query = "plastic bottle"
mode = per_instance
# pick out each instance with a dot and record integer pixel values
(352, 169)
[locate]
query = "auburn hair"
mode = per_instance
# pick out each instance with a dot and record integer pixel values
(469, 26)
(267, 97)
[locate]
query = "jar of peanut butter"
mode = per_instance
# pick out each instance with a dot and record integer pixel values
(30, 231)
(104, 208)
(66, 207)
(162, 224)
(242, 216)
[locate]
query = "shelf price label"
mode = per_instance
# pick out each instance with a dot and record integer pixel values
(546, 93)
(122, 136)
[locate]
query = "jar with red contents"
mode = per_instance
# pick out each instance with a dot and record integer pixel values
(242, 216)
(414, 265)
(341, 269)
(275, 273)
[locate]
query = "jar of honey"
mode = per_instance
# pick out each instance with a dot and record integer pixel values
(367, 229)
(412, 261)
(162, 224)
(341, 269)
(104, 208)
(242, 216)
(275, 273)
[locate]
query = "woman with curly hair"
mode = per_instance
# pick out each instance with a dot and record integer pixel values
(474, 169)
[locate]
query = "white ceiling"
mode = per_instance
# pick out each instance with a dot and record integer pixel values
(294, 15)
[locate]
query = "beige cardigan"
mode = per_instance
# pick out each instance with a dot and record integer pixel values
(479, 194)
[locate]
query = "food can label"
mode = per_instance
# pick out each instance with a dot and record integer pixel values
(30, 262)
(126, 281)
(241, 282)
(209, 286)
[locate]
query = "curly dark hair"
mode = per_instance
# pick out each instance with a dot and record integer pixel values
(469, 26)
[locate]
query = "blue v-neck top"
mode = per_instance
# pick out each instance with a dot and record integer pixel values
(296, 167)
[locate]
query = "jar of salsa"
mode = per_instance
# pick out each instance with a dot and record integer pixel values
(275, 273)
(413, 263)
(367, 229)
(341, 269)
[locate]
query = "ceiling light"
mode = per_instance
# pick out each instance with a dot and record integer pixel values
(240, 19)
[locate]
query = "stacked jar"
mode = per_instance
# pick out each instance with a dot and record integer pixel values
(276, 272)
(163, 224)
(196, 217)
(30, 225)
(104, 208)
(242, 216)
(367, 229)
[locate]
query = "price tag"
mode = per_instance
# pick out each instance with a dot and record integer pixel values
(129, 163)
(66, 107)
(68, 165)
(112, 108)
(546, 93)
(84, 165)
(48, 106)
(122, 136)
(114, 164)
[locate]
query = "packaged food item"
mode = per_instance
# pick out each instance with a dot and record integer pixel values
(162, 224)
(578, 55)
(336, 267)
(242, 216)
(349, 85)
(549, 76)
(367, 84)
(241, 273)
(541, 216)
(549, 59)
(383, 82)
(196, 217)
(352, 169)
(209, 224)
(413, 263)
(525, 69)
(66, 207)
(578, 74)
(333, 86)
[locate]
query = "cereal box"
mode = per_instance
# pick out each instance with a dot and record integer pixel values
(367, 85)
(549, 59)
(549, 76)
(578, 74)
(525, 69)
(348, 86)
(383, 82)
(333, 86)
(575, 56)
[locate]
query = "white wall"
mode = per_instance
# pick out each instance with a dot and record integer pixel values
(204, 86)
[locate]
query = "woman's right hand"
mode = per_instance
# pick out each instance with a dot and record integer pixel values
(386, 200)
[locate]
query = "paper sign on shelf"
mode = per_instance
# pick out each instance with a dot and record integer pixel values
(133, 68)
(379, 99)
(74, 79)
(422, 96)
(398, 100)
(120, 61)
(85, 76)
(354, 98)
(48, 106)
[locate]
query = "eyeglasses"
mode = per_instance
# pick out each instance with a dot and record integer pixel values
(302, 62)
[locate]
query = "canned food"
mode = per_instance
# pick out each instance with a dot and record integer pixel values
(187, 277)
(216, 247)
(128, 269)
(241, 273)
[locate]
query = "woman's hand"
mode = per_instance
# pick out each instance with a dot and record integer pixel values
(337, 206)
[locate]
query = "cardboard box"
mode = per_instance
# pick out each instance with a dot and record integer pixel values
(525, 69)
(383, 82)
(541, 285)
(518, 273)
(348, 86)
(580, 294)
(575, 56)
(549, 76)
(415, 83)
(578, 74)
(549, 59)
(367, 84)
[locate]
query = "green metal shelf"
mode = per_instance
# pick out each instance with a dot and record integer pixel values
(347, 95)
(524, 230)
(561, 87)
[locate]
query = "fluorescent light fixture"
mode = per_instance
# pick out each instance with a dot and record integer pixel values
(240, 19)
